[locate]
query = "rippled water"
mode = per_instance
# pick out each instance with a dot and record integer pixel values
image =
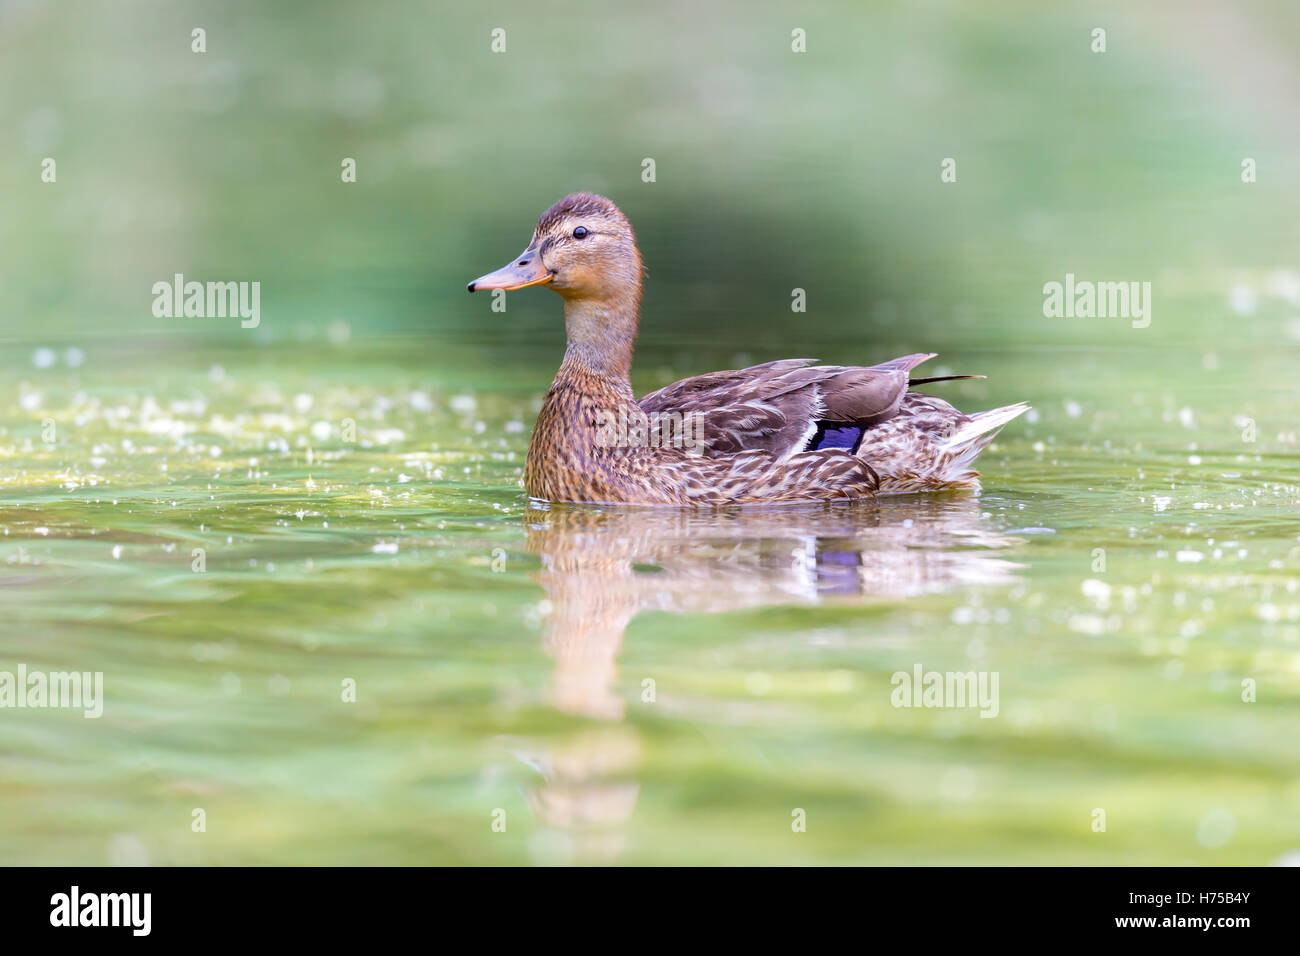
(231, 539)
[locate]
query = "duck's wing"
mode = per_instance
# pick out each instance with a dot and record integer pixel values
(779, 407)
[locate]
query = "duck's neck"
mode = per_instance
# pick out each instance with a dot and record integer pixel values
(601, 334)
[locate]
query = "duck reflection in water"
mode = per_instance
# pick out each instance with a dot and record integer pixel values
(600, 567)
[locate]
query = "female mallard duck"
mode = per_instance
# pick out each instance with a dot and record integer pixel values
(784, 431)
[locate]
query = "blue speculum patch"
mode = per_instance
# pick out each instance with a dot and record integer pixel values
(836, 436)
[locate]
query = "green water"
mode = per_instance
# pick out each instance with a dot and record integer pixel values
(499, 654)
(299, 553)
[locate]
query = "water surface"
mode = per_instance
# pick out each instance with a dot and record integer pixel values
(635, 685)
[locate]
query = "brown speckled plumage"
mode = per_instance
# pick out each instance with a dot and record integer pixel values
(756, 425)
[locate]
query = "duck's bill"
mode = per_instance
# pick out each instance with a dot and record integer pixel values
(525, 271)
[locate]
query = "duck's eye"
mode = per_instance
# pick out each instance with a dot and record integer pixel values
(580, 232)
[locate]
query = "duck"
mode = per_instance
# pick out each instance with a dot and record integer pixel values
(785, 431)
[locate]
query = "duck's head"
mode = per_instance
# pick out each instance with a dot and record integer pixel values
(583, 248)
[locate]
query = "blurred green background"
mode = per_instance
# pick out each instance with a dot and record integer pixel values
(500, 656)
(774, 169)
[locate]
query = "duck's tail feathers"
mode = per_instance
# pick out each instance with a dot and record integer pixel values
(966, 443)
(913, 382)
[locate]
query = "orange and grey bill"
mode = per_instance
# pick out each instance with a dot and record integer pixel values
(527, 270)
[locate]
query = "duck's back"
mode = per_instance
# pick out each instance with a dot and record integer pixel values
(793, 407)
